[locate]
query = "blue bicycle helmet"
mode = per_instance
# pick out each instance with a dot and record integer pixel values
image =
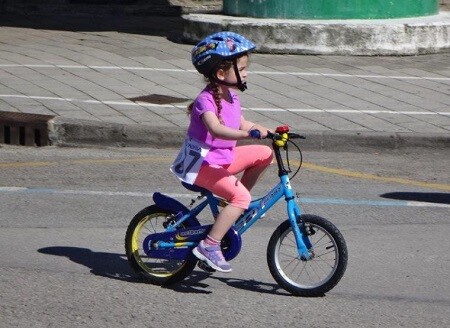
(217, 47)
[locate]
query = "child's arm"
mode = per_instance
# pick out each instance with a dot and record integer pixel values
(247, 126)
(221, 131)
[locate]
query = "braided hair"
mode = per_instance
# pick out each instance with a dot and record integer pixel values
(217, 100)
(224, 65)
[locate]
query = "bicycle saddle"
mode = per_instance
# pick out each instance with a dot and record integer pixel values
(195, 188)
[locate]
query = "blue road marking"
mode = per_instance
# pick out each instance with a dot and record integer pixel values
(337, 201)
(304, 200)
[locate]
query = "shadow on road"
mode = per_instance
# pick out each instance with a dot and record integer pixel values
(428, 197)
(254, 286)
(109, 265)
(115, 266)
(169, 27)
(186, 286)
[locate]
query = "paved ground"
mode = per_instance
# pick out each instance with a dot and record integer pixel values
(129, 79)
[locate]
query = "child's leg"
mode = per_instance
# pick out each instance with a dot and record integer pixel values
(222, 183)
(225, 221)
(253, 160)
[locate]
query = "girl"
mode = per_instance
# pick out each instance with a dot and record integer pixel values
(209, 157)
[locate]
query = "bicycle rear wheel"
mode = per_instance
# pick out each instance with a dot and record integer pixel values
(151, 220)
(313, 277)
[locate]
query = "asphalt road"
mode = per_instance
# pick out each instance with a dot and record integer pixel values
(64, 213)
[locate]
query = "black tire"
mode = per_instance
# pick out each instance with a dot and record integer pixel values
(155, 271)
(314, 277)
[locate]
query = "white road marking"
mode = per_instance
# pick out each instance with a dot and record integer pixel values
(256, 109)
(180, 70)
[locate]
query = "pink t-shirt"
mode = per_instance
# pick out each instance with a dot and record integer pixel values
(222, 151)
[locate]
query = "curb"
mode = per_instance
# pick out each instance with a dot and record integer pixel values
(404, 36)
(84, 133)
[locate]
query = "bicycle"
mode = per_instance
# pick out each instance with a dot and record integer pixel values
(306, 254)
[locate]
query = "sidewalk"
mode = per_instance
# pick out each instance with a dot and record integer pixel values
(128, 81)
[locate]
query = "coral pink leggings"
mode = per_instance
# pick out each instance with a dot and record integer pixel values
(221, 179)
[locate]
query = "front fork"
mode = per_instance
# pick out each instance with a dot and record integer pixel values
(304, 247)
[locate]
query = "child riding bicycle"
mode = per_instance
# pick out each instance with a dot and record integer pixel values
(209, 157)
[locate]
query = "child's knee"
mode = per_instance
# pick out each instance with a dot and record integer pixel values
(241, 199)
(266, 154)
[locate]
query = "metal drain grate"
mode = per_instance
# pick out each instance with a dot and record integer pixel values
(24, 129)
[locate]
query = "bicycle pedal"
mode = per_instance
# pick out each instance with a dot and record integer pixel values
(205, 267)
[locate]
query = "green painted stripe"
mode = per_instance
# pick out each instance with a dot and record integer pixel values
(331, 9)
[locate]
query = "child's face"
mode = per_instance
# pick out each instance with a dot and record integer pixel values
(230, 75)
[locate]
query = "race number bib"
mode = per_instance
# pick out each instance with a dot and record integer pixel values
(189, 160)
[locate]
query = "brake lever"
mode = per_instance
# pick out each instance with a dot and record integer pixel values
(274, 136)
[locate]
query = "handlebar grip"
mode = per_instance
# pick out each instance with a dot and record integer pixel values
(255, 134)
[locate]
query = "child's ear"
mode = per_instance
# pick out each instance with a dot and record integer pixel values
(220, 74)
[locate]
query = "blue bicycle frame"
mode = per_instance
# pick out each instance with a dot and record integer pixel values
(181, 239)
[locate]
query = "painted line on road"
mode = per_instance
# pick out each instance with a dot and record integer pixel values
(373, 177)
(26, 164)
(88, 162)
(305, 200)
(255, 109)
(180, 70)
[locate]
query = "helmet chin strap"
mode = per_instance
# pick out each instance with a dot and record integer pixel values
(240, 85)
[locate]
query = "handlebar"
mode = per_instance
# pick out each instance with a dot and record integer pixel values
(280, 138)
(256, 134)
(277, 136)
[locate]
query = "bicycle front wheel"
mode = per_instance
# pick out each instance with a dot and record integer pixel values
(312, 277)
(151, 220)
